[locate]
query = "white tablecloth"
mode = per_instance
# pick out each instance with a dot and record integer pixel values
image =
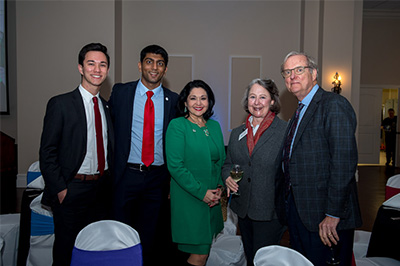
(9, 232)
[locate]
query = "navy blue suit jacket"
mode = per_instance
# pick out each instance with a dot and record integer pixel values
(121, 102)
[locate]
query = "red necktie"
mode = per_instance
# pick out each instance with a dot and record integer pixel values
(148, 131)
(99, 137)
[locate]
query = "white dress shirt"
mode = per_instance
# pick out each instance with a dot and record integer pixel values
(89, 165)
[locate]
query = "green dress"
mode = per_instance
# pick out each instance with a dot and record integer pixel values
(194, 161)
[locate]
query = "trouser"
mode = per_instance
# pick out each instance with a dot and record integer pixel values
(84, 203)
(141, 201)
(309, 243)
(258, 234)
(390, 151)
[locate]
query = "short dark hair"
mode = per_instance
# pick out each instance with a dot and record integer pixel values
(270, 86)
(93, 47)
(185, 94)
(154, 49)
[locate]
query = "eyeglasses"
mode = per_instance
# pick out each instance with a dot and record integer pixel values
(297, 71)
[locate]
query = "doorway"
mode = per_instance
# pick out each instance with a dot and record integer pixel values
(389, 101)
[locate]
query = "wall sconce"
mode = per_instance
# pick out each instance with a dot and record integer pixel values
(336, 83)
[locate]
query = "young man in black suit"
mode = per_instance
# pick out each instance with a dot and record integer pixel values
(142, 184)
(75, 153)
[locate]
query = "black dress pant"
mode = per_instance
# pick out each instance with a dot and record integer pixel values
(258, 234)
(141, 201)
(84, 203)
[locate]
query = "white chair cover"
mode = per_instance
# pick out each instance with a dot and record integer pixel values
(393, 202)
(377, 261)
(227, 248)
(34, 176)
(9, 233)
(279, 256)
(230, 225)
(392, 186)
(42, 235)
(361, 242)
(107, 242)
(1, 250)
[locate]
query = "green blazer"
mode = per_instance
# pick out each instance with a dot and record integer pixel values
(189, 162)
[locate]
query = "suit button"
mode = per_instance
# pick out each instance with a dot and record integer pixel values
(249, 179)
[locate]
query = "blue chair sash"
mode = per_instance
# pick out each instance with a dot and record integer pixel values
(32, 176)
(123, 257)
(41, 224)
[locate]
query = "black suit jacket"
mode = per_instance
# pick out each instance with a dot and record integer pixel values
(121, 103)
(323, 163)
(64, 141)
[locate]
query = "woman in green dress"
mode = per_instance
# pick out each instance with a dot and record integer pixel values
(195, 154)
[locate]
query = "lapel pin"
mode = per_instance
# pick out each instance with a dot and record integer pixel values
(166, 98)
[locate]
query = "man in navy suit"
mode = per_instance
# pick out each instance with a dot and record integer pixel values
(319, 165)
(77, 176)
(141, 189)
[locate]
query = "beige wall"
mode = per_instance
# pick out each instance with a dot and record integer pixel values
(50, 34)
(49, 37)
(381, 50)
(212, 32)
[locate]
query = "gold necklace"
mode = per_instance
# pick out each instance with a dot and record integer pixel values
(206, 132)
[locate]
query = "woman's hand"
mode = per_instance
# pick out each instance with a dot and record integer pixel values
(231, 185)
(212, 197)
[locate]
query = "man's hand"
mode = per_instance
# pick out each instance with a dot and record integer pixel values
(61, 195)
(327, 231)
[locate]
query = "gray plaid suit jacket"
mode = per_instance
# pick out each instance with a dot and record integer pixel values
(323, 164)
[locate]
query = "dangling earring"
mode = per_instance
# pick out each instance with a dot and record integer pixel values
(185, 110)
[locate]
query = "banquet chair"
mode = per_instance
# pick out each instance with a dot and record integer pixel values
(35, 186)
(392, 186)
(382, 247)
(107, 243)
(279, 256)
(42, 234)
(227, 248)
(360, 244)
(1, 251)
(34, 176)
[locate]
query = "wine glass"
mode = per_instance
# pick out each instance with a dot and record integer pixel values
(333, 260)
(236, 174)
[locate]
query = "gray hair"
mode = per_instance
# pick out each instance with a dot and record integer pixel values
(310, 61)
(270, 86)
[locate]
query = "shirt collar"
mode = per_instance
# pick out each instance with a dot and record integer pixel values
(251, 124)
(142, 89)
(87, 96)
(306, 101)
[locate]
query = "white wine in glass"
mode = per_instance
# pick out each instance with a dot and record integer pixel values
(237, 175)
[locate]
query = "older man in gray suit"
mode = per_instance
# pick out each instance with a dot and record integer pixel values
(319, 162)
